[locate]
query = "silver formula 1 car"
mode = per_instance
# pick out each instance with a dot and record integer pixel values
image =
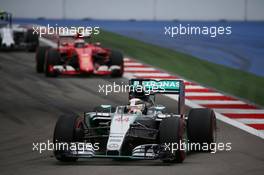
(139, 130)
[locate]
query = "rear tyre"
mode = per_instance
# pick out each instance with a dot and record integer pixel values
(201, 127)
(32, 40)
(116, 59)
(40, 58)
(68, 129)
(171, 131)
(52, 59)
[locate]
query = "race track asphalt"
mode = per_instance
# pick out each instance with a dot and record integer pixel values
(30, 104)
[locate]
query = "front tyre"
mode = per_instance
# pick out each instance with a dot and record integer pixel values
(171, 133)
(67, 130)
(40, 58)
(201, 127)
(116, 59)
(52, 59)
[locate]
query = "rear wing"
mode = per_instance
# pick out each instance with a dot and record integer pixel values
(150, 86)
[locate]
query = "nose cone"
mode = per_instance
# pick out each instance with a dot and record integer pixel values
(86, 64)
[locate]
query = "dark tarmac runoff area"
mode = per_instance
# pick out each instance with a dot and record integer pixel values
(31, 104)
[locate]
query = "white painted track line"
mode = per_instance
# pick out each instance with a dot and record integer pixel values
(139, 69)
(239, 125)
(240, 111)
(194, 87)
(127, 59)
(203, 94)
(132, 64)
(251, 121)
(225, 119)
(203, 102)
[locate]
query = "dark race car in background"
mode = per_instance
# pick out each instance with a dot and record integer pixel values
(75, 56)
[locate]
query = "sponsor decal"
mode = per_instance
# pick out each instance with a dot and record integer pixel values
(113, 145)
(122, 119)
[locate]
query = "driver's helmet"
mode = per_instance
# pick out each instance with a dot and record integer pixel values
(136, 106)
(79, 43)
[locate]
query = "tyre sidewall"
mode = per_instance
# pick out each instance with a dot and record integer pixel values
(171, 131)
(116, 59)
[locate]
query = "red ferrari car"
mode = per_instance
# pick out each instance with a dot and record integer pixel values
(79, 57)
